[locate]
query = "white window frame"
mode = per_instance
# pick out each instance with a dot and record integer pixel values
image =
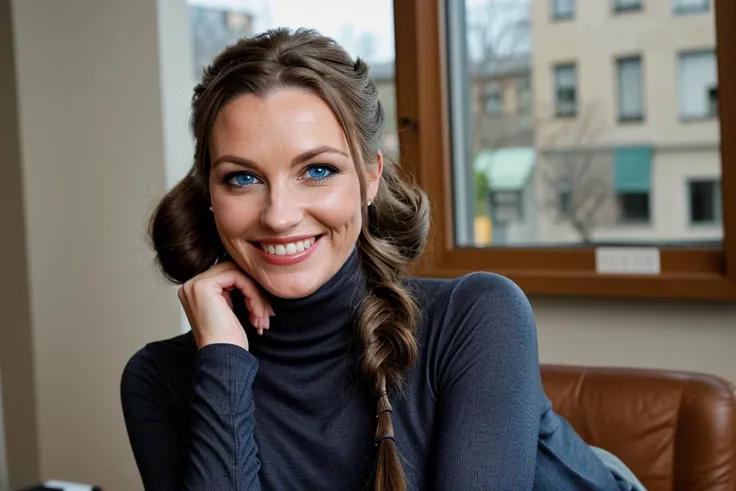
(622, 88)
(693, 91)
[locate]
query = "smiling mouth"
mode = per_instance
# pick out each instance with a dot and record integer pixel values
(288, 249)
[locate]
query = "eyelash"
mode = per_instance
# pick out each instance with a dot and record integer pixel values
(228, 179)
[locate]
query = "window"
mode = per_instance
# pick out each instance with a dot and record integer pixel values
(563, 9)
(566, 90)
(524, 96)
(492, 99)
(583, 182)
(630, 93)
(705, 202)
(634, 207)
(564, 196)
(690, 6)
(365, 30)
(698, 85)
(626, 5)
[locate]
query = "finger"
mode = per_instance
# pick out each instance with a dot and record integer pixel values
(234, 278)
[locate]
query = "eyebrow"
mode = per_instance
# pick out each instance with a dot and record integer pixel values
(299, 159)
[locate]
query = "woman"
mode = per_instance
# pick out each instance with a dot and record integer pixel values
(312, 362)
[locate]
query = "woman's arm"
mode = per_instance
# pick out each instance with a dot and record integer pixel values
(211, 447)
(490, 397)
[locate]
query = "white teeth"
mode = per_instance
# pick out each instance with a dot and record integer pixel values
(288, 249)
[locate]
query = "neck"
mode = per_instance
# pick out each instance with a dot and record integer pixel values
(323, 320)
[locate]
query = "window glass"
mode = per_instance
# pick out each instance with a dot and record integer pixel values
(626, 5)
(365, 29)
(690, 6)
(563, 9)
(577, 174)
(698, 85)
(630, 96)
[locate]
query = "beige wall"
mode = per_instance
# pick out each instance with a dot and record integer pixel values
(94, 158)
(595, 38)
(674, 335)
(94, 154)
(16, 351)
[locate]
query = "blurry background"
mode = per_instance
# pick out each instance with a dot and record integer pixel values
(581, 123)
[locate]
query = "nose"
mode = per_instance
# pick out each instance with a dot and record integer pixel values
(281, 211)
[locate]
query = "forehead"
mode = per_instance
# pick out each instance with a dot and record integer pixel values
(288, 120)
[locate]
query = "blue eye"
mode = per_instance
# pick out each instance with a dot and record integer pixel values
(241, 179)
(318, 172)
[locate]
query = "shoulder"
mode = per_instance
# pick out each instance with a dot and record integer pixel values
(160, 364)
(473, 298)
(480, 316)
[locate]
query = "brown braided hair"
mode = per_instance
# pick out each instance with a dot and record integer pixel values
(395, 226)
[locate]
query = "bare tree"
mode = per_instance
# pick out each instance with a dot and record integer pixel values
(577, 185)
(498, 30)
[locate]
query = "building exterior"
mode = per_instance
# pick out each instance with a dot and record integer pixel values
(626, 126)
(213, 27)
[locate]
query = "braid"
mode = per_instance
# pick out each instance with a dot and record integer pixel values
(393, 235)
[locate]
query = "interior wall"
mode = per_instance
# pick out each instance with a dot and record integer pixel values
(694, 336)
(19, 441)
(94, 162)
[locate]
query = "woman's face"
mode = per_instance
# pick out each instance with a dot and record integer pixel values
(285, 190)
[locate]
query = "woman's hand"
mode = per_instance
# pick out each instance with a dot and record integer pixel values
(209, 307)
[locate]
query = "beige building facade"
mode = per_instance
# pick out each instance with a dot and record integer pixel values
(626, 126)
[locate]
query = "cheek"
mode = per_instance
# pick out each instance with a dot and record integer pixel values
(234, 215)
(339, 207)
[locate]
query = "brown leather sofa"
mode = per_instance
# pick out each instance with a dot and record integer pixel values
(676, 431)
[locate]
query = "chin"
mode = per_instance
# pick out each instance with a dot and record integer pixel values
(291, 286)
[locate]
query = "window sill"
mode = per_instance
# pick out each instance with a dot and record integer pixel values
(688, 274)
(689, 11)
(630, 120)
(563, 18)
(706, 224)
(698, 119)
(566, 115)
(627, 10)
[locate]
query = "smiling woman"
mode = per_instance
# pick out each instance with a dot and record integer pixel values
(266, 202)
(313, 361)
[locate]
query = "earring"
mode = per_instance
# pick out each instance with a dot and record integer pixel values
(211, 209)
(370, 203)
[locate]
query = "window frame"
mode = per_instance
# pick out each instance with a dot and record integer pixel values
(626, 221)
(625, 9)
(621, 118)
(556, 16)
(555, 69)
(423, 112)
(678, 10)
(708, 116)
(689, 193)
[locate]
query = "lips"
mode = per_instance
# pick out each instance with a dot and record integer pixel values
(288, 248)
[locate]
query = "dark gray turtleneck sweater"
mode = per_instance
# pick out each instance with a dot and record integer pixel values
(293, 413)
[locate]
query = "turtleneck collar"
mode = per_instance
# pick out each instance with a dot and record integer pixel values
(318, 324)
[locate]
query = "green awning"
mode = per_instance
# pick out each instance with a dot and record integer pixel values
(633, 169)
(507, 169)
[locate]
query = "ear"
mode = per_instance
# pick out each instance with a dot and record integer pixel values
(374, 177)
